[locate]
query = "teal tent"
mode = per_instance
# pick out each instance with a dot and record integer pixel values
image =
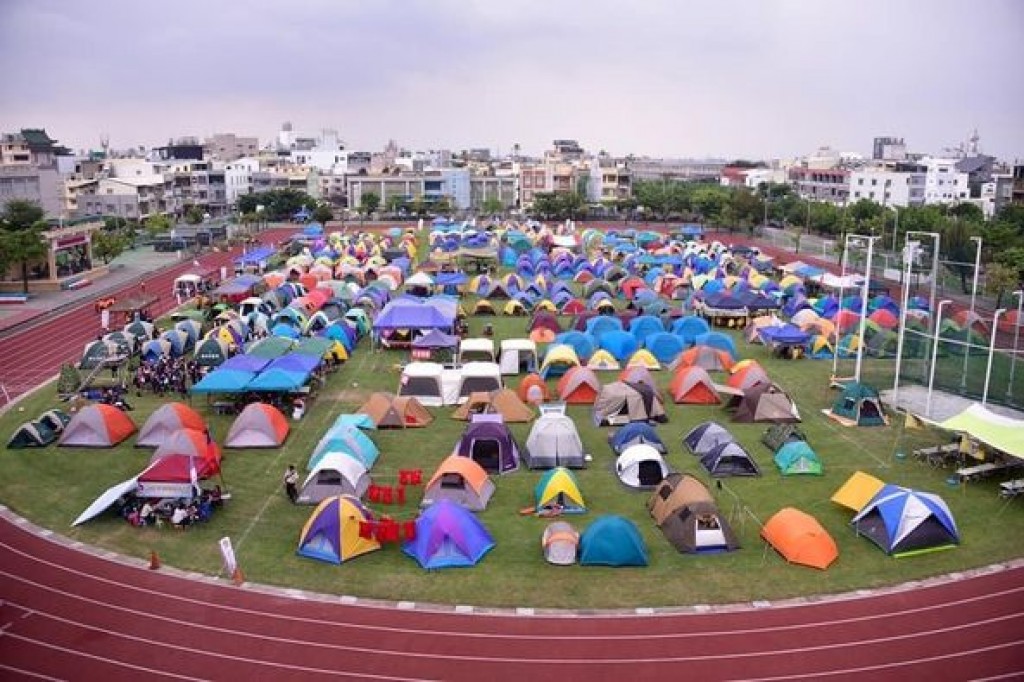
(35, 434)
(797, 457)
(612, 541)
(860, 404)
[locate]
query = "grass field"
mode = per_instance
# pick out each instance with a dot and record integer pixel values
(51, 486)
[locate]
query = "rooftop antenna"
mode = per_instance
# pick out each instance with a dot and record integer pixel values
(105, 144)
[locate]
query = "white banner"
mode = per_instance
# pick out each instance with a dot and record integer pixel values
(173, 490)
(105, 318)
(228, 553)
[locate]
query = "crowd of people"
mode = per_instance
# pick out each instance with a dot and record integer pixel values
(166, 376)
(180, 513)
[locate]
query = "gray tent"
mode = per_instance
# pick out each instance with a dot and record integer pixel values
(766, 404)
(729, 459)
(554, 441)
(621, 402)
(55, 419)
(336, 473)
(704, 437)
(32, 435)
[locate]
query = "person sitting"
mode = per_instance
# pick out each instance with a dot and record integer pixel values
(216, 496)
(180, 518)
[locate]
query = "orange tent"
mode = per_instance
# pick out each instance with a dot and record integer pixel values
(800, 539)
(97, 426)
(579, 386)
(542, 335)
(711, 359)
(748, 377)
(693, 385)
(533, 390)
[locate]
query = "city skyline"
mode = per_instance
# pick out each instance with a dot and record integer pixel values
(723, 79)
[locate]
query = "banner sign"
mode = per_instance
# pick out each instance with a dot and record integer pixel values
(228, 554)
(173, 490)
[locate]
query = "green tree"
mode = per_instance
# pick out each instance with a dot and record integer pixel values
(969, 212)
(955, 245)
(545, 205)
(395, 203)
(194, 215)
(323, 214)
(492, 206)
(746, 206)
(1000, 279)
(708, 201)
(108, 245)
(156, 225)
(1013, 259)
(23, 215)
(443, 206)
(369, 203)
(23, 246)
(864, 210)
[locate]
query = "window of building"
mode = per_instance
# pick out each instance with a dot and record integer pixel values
(860, 181)
(874, 181)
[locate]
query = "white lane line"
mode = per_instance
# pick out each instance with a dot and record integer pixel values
(28, 673)
(193, 652)
(768, 653)
(121, 587)
(901, 664)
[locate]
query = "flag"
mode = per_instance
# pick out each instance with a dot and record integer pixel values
(913, 423)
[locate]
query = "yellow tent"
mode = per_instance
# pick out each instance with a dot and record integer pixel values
(643, 358)
(857, 491)
(559, 487)
(603, 360)
(562, 356)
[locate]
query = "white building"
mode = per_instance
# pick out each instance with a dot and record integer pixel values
(755, 177)
(945, 184)
(888, 187)
(238, 178)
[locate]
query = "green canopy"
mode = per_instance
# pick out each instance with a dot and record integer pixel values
(1002, 433)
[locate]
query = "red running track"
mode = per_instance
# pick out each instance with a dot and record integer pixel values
(68, 614)
(30, 357)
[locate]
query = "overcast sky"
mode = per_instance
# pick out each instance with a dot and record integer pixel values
(657, 77)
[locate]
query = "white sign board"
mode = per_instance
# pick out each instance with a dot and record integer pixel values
(227, 552)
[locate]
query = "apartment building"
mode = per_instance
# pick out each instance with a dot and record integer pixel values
(945, 184)
(230, 147)
(899, 185)
(831, 185)
(29, 172)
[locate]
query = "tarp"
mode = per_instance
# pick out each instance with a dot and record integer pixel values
(981, 424)
(104, 501)
(858, 490)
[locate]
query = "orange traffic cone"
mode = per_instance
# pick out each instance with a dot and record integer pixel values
(237, 577)
(154, 560)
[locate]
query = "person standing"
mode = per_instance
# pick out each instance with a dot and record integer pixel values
(291, 483)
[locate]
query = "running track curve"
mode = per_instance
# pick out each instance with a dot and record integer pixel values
(71, 614)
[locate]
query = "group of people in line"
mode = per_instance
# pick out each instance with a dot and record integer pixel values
(167, 375)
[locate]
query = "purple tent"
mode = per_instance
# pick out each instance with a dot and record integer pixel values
(448, 536)
(490, 444)
(436, 339)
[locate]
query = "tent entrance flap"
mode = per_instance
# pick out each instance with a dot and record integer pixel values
(649, 473)
(487, 453)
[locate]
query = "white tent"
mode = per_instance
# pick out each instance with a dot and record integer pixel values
(476, 350)
(641, 466)
(481, 377)
(554, 441)
(336, 473)
(420, 279)
(106, 500)
(518, 356)
(422, 380)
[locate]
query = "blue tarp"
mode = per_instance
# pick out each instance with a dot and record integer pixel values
(255, 256)
(245, 363)
(224, 381)
(787, 334)
(406, 314)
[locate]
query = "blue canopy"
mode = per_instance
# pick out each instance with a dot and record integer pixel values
(787, 334)
(255, 256)
(406, 314)
(244, 363)
(224, 381)
(278, 380)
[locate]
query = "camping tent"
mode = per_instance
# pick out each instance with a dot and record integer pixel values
(448, 536)
(797, 457)
(533, 390)
(165, 420)
(620, 403)
(711, 359)
(859, 405)
(422, 380)
(518, 356)
(612, 541)
(859, 489)
(393, 412)
(460, 480)
(688, 516)
(903, 522)
(346, 437)
(489, 443)
(554, 441)
(641, 466)
(579, 386)
(635, 433)
(504, 402)
(777, 435)
(766, 404)
(693, 385)
(335, 473)
(34, 434)
(705, 436)
(332, 534)
(187, 442)
(258, 426)
(800, 539)
(55, 419)
(729, 459)
(476, 350)
(97, 426)
(559, 360)
(478, 377)
(558, 488)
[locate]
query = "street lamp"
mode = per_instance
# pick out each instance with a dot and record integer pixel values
(1016, 338)
(970, 318)
(935, 353)
(991, 353)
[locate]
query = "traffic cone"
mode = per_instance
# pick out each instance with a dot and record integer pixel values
(154, 560)
(237, 577)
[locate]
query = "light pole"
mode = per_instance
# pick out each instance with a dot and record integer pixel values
(909, 252)
(970, 317)
(895, 226)
(935, 353)
(991, 354)
(865, 292)
(1016, 338)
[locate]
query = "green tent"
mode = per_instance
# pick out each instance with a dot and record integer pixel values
(797, 457)
(860, 404)
(777, 435)
(32, 435)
